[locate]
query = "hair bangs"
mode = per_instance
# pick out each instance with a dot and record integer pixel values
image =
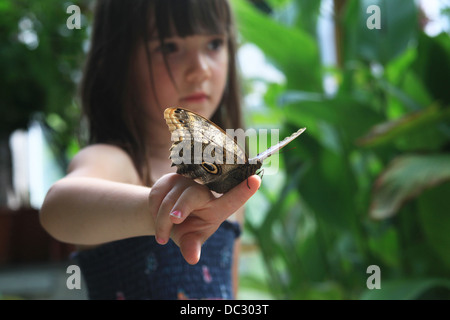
(190, 17)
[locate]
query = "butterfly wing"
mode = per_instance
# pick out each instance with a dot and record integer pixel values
(202, 150)
(188, 126)
(265, 154)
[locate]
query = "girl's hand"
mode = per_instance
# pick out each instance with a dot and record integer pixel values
(189, 213)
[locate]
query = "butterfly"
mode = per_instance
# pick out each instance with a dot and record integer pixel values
(202, 150)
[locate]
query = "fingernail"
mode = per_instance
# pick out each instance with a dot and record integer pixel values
(160, 240)
(176, 214)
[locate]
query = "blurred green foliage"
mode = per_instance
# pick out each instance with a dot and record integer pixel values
(40, 63)
(367, 183)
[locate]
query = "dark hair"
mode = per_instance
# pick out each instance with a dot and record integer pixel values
(106, 93)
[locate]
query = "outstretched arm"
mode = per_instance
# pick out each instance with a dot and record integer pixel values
(100, 200)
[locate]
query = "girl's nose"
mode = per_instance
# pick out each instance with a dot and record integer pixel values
(198, 68)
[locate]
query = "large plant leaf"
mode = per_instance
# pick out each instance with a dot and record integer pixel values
(406, 177)
(434, 208)
(433, 65)
(416, 130)
(398, 26)
(293, 51)
(405, 84)
(407, 289)
(340, 113)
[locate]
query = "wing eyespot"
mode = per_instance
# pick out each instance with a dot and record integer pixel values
(210, 167)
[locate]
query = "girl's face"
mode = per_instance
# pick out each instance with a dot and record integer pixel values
(198, 67)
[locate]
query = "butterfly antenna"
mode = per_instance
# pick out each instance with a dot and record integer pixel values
(285, 150)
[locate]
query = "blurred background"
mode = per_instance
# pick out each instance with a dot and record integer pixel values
(368, 183)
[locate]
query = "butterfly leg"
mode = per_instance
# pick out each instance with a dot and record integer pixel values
(260, 173)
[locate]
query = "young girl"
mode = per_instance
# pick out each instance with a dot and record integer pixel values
(145, 232)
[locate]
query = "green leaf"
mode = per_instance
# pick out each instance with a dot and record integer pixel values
(417, 130)
(339, 120)
(404, 83)
(405, 289)
(293, 51)
(386, 246)
(405, 178)
(398, 26)
(433, 65)
(434, 207)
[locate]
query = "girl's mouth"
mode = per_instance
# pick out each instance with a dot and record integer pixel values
(195, 97)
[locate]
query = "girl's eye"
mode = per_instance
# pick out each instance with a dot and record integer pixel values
(215, 44)
(167, 48)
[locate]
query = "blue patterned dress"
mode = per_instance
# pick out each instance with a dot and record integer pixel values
(140, 268)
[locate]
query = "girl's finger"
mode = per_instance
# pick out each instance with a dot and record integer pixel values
(194, 197)
(163, 195)
(231, 201)
(190, 246)
(163, 223)
(190, 243)
(159, 191)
